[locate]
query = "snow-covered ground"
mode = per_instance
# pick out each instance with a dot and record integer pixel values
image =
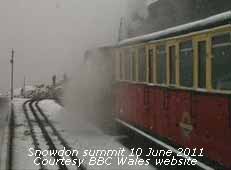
(4, 111)
(79, 133)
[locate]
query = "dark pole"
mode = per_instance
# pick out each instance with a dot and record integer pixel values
(12, 74)
(24, 86)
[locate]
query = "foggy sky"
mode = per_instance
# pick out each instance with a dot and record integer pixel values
(50, 36)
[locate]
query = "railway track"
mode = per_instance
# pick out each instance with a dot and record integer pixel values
(46, 137)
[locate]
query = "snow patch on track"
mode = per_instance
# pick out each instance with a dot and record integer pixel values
(50, 107)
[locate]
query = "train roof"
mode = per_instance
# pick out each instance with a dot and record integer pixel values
(210, 22)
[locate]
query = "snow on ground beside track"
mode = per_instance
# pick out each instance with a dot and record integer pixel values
(82, 135)
(50, 107)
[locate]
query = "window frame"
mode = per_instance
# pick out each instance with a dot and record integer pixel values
(212, 35)
(121, 65)
(163, 43)
(123, 69)
(117, 64)
(127, 64)
(131, 64)
(143, 46)
(187, 39)
(175, 44)
(153, 48)
(196, 40)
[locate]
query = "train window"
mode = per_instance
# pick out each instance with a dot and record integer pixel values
(127, 64)
(151, 62)
(133, 65)
(202, 53)
(221, 73)
(117, 68)
(172, 64)
(121, 66)
(161, 64)
(142, 64)
(186, 64)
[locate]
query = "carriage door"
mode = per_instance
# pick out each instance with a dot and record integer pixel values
(201, 55)
(169, 95)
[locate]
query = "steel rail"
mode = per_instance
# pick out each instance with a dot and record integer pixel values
(32, 133)
(47, 137)
(61, 139)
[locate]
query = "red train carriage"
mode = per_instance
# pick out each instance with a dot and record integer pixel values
(176, 84)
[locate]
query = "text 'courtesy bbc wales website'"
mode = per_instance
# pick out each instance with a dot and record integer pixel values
(116, 158)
